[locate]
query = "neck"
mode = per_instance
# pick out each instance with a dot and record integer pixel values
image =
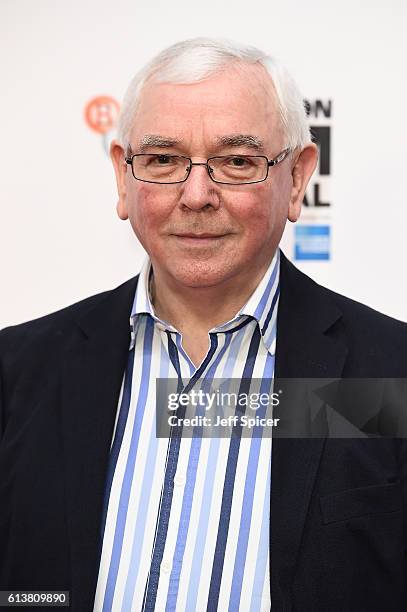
(199, 309)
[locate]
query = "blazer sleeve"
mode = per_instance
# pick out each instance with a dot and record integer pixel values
(403, 480)
(1, 407)
(2, 393)
(6, 351)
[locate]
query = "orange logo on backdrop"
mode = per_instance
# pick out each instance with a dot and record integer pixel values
(101, 114)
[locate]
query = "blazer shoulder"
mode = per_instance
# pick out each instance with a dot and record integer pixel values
(366, 319)
(309, 294)
(376, 342)
(381, 339)
(30, 353)
(17, 337)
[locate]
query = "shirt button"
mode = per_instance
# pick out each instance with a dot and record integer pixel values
(179, 480)
(165, 566)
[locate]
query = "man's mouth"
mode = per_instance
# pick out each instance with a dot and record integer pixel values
(202, 236)
(205, 239)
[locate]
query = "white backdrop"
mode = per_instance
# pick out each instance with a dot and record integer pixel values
(60, 238)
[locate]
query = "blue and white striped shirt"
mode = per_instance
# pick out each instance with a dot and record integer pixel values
(186, 522)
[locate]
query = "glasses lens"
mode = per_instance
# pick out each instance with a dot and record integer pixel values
(160, 168)
(238, 168)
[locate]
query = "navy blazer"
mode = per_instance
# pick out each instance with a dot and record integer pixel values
(338, 528)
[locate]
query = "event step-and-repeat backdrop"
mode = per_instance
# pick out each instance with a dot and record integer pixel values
(65, 70)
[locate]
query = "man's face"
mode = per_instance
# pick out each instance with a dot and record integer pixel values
(243, 224)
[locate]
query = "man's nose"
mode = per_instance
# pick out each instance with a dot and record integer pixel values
(199, 191)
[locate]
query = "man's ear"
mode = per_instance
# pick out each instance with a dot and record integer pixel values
(120, 169)
(302, 170)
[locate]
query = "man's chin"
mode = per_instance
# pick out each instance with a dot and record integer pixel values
(201, 275)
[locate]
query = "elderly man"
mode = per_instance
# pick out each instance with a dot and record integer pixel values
(213, 156)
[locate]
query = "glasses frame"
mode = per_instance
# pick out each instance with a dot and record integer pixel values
(270, 163)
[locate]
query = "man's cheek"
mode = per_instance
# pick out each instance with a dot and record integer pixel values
(257, 218)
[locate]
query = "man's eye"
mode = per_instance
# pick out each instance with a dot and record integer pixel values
(162, 160)
(238, 162)
(157, 160)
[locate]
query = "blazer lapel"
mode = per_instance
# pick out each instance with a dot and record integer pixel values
(94, 362)
(305, 349)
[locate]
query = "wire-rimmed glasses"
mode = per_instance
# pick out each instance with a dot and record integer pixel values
(225, 169)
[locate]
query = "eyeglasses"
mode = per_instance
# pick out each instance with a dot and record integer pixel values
(226, 169)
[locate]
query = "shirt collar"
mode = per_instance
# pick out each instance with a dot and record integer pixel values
(262, 304)
(142, 301)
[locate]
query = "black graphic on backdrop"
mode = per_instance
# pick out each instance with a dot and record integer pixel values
(321, 135)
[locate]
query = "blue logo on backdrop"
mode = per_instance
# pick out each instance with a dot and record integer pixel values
(312, 242)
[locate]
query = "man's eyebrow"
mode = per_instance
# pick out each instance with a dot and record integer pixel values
(155, 140)
(240, 140)
(232, 140)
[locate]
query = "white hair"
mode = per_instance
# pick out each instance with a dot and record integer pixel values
(197, 59)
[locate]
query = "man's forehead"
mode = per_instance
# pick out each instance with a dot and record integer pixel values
(246, 84)
(234, 110)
